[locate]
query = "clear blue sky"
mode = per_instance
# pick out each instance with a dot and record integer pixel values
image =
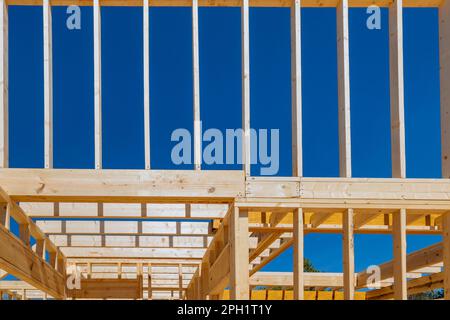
(220, 78)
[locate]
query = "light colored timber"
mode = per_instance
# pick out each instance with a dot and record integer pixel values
(400, 268)
(444, 62)
(298, 274)
(122, 185)
(348, 255)
(48, 84)
(146, 82)
(120, 227)
(338, 193)
(398, 152)
(239, 256)
(231, 3)
(217, 186)
(4, 116)
(15, 285)
(196, 88)
(416, 260)
(108, 288)
(133, 253)
(15, 212)
(363, 219)
(446, 255)
(97, 83)
(415, 286)
(245, 46)
(19, 260)
(345, 154)
(124, 210)
(285, 279)
(130, 241)
(296, 89)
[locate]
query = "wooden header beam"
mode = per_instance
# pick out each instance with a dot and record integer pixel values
(122, 185)
(230, 3)
(178, 186)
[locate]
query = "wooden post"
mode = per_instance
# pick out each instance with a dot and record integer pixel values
(149, 286)
(397, 89)
(24, 233)
(246, 156)
(444, 55)
(348, 255)
(446, 253)
(60, 263)
(52, 255)
(345, 160)
(140, 279)
(196, 87)
(399, 228)
(5, 215)
(298, 255)
(204, 284)
(239, 257)
(4, 84)
(48, 85)
(146, 47)
(40, 248)
(296, 89)
(97, 84)
(180, 281)
(345, 155)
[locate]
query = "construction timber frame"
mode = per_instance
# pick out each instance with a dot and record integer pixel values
(195, 234)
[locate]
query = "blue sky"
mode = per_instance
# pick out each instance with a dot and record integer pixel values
(220, 79)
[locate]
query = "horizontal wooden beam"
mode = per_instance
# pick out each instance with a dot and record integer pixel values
(157, 264)
(121, 227)
(416, 260)
(415, 286)
(124, 210)
(231, 3)
(108, 289)
(159, 186)
(123, 186)
(285, 279)
(131, 241)
(133, 253)
(334, 190)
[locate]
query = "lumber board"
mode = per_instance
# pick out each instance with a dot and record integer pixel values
(128, 186)
(4, 116)
(108, 289)
(19, 260)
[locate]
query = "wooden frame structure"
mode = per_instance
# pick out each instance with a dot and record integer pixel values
(195, 234)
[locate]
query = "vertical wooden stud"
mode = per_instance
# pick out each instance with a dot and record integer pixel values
(399, 228)
(246, 139)
(239, 249)
(48, 85)
(348, 255)
(4, 84)
(444, 57)
(397, 89)
(298, 255)
(296, 89)
(97, 84)
(146, 47)
(345, 158)
(196, 87)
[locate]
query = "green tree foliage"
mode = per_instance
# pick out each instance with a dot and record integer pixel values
(308, 266)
